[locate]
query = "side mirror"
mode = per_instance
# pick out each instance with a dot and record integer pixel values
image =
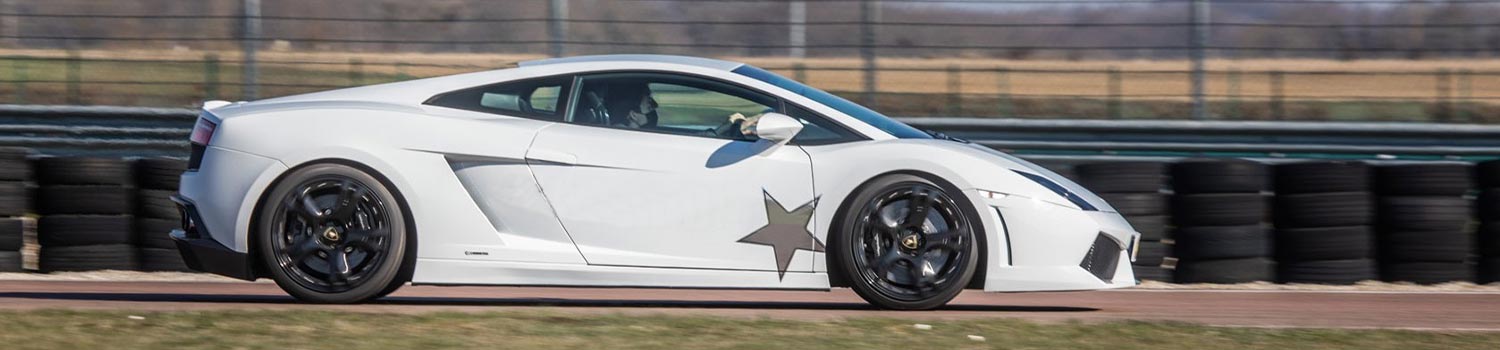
(777, 127)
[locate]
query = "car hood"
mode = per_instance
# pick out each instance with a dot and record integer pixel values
(1007, 161)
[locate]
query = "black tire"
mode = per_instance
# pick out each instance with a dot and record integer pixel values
(1489, 239)
(1122, 177)
(84, 171)
(1489, 271)
(156, 204)
(1489, 205)
(11, 262)
(1152, 273)
(84, 230)
(1226, 271)
(1441, 179)
(14, 199)
(1328, 271)
(154, 259)
(14, 164)
(1136, 204)
(1231, 209)
(98, 200)
(1325, 243)
(1219, 176)
(1151, 227)
(370, 255)
(1221, 242)
(1489, 174)
(155, 233)
(858, 249)
(1321, 177)
(11, 234)
(1427, 272)
(1425, 246)
(90, 258)
(1425, 213)
(159, 173)
(1151, 253)
(1324, 209)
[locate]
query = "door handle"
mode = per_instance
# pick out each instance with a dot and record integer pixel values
(550, 156)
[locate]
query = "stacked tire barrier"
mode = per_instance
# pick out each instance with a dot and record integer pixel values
(156, 215)
(15, 202)
(1135, 189)
(1424, 222)
(1219, 208)
(1324, 223)
(1489, 227)
(86, 205)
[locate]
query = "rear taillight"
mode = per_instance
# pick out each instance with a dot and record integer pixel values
(203, 132)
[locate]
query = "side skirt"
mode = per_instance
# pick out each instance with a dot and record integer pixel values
(492, 273)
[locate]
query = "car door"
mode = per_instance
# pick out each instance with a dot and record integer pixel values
(675, 193)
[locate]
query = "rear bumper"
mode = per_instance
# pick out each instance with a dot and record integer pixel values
(201, 252)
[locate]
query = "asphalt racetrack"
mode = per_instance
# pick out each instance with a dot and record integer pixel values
(1460, 311)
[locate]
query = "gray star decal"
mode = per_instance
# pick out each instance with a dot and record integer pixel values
(786, 232)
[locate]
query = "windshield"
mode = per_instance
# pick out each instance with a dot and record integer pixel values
(866, 115)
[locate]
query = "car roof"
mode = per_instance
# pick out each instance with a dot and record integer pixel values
(685, 60)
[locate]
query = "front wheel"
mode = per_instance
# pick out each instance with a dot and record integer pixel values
(330, 233)
(904, 243)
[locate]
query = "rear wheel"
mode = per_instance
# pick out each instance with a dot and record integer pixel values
(330, 233)
(905, 244)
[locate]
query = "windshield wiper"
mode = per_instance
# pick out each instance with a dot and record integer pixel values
(941, 136)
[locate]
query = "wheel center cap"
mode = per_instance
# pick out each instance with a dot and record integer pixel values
(911, 241)
(331, 234)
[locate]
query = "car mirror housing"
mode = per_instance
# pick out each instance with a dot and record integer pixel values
(777, 127)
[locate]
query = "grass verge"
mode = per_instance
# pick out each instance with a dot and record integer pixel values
(324, 329)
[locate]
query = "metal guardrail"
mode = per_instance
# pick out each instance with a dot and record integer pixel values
(1260, 139)
(97, 130)
(135, 131)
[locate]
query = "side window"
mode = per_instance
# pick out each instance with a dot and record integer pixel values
(669, 103)
(816, 129)
(540, 98)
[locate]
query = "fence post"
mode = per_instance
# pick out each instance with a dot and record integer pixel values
(1232, 108)
(870, 13)
(1198, 41)
(1116, 92)
(211, 76)
(955, 91)
(249, 40)
(1278, 110)
(797, 29)
(1444, 96)
(557, 31)
(1003, 99)
(75, 77)
(1465, 94)
(21, 77)
(356, 72)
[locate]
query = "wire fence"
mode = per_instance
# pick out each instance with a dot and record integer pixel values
(1365, 60)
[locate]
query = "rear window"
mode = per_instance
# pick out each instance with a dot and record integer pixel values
(540, 98)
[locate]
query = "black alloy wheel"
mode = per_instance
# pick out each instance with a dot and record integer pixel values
(909, 245)
(333, 234)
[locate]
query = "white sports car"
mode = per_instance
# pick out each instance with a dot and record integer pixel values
(626, 171)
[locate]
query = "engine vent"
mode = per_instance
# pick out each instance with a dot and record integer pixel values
(1103, 258)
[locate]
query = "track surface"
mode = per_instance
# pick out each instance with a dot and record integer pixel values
(1423, 311)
